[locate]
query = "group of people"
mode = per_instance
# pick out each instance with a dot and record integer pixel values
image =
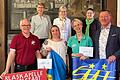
(34, 41)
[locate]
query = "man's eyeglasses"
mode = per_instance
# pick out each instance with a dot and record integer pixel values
(25, 25)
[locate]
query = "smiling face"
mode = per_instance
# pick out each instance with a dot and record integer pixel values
(105, 18)
(62, 12)
(25, 26)
(77, 25)
(90, 14)
(55, 32)
(40, 8)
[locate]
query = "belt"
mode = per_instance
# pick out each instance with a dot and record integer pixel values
(19, 67)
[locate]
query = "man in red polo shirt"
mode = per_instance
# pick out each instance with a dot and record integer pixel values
(24, 48)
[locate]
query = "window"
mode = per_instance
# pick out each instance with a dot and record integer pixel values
(18, 9)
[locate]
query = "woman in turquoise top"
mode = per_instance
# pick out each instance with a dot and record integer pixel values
(76, 41)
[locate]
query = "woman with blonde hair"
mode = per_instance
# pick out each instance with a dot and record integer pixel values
(63, 22)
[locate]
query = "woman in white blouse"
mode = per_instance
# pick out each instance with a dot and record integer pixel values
(55, 43)
(63, 23)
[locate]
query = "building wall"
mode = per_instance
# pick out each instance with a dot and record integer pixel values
(112, 6)
(2, 36)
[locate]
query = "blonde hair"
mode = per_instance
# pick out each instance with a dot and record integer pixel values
(76, 20)
(62, 7)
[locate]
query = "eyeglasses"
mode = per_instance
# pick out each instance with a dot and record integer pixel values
(40, 7)
(62, 11)
(25, 25)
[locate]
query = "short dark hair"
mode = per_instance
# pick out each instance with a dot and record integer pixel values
(90, 9)
(105, 10)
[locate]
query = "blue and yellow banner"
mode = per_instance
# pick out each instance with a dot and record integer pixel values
(58, 71)
(93, 69)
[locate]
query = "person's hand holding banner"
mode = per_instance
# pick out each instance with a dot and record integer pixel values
(3, 74)
(111, 59)
(27, 75)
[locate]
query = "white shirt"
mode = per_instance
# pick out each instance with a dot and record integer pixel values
(40, 26)
(64, 26)
(59, 47)
(103, 41)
